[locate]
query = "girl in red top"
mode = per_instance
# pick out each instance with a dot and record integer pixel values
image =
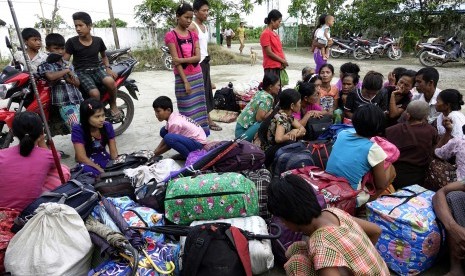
(273, 55)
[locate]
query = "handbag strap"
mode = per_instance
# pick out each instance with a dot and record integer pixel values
(221, 155)
(406, 198)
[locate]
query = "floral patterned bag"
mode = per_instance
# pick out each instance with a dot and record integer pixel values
(209, 197)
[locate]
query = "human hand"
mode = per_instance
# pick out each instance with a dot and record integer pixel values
(176, 61)
(457, 234)
(112, 73)
(315, 114)
(187, 85)
(392, 78)
(447, 124)
(284, 64)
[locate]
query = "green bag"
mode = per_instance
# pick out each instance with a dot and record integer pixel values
(209, 197)
(284, 77)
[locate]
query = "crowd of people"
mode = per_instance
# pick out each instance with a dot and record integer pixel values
(425, 124)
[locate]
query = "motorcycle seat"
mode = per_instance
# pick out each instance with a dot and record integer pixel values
(119, 69)
(110, 53)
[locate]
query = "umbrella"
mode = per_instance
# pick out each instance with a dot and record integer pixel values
(36, 93)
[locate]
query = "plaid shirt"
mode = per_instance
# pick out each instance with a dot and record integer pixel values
(63, 93)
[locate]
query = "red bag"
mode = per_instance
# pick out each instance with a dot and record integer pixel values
(7, 217)
(336, 190)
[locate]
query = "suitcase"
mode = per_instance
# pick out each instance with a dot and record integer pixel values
(262, 179)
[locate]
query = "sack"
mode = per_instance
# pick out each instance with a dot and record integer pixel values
(284, 77)
(225, 99)
(411, 236)
(337, 191)
(317, 126)
(114, 184)
(223, 116)
(7, 217)
(245, 156)
(261, 255)
(54, 242)
(439, 174)
(292, 156)
(262, 179)
(82, 198)
(132, 160)
(320, 152)
(210, 196)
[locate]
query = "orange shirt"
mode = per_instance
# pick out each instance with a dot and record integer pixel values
(327, 97)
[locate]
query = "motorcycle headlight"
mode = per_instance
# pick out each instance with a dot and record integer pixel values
(4, 89)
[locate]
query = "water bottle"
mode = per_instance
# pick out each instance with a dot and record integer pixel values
(337, 116)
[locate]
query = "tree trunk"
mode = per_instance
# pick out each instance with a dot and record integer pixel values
(54, 13)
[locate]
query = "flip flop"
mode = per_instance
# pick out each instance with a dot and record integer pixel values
(215, 127)
(117, 117)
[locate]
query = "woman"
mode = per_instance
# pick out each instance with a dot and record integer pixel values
(91, 137)
(449, 103)
(310, 107)
(185, 51)
(399, 99)
(273, 55)
(317, 55)
(25, 166)
(258, 108)
(329, 94)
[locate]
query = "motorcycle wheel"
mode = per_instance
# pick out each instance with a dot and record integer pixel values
(335, 54)
(5, 139)
(126, 105)
(428, 61)
(359, 53)
(167, 62)
(394, 54)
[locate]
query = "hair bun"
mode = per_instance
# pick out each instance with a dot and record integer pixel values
(267, 21)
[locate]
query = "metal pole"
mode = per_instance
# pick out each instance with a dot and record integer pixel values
(36, 93)
(113, 24)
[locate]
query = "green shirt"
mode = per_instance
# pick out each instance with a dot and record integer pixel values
(262, 100)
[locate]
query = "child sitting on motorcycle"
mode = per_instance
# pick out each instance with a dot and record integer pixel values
(91, 137)
(33, 41)
(85, 49)
(63, 81)
(323, 35)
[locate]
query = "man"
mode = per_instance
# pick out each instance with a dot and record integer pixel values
(229, 34)
(426, 81)
(201, 9)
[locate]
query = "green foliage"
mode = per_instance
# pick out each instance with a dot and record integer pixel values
(106, 23)
(151, 11)
(48, 24)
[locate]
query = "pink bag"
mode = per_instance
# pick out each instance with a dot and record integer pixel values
(53, 179)
(392, 153)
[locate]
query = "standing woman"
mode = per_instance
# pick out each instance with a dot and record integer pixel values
(185, 51)
(273, 55)
(317, 54)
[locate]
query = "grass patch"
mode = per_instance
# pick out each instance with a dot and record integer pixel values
(4, 63)
(220, 56)
(148, 59)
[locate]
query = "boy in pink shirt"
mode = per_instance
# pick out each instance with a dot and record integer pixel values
(181, 133)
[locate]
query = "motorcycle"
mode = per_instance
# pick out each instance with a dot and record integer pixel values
(384, 46)
(16, 87)
(344, 46)
(115, 56)
(432, 54)
(166, 58)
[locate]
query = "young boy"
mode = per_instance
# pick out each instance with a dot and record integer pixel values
(180, 133)
(64, 82)
(33, 41)
(85, 49)
(324, 35)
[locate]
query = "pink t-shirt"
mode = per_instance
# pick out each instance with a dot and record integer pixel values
(186, 48)
(185, 126)
(22, 177)
(310, 107)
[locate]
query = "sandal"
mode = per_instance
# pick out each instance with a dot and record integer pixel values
(215, 127)
(117, 117)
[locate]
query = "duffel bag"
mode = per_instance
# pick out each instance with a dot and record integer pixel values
(292, 156)
(411, 235)
(210, 196)
(320, 149)
(262, 179)
(82, 198)
(245, 156)
(317, 126)
(114, 184)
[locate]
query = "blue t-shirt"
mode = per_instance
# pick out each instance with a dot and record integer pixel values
(353, 156)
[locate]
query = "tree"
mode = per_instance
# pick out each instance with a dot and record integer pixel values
(106, 23)
(48, 23)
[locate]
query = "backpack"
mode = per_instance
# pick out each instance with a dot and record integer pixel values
(320, 152)
(225, 99)
(292, 156)
(245, 156)
(317, 126)
(114, 184)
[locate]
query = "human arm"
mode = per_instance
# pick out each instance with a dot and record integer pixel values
(81, 157)
(112, 148)
(311, 114)
(174, 56)
(380, 178)
(41, 143)
(372, 230)
(194, 59)
(394, 111)
(275, 57)
(106, 63)
(350, 105)
(447, 123)
(329, 271)
(161, 148)
(298, 129)
(326, 34)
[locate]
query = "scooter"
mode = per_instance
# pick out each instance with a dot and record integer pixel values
(431, 54)
(16, 87)
(166, 58)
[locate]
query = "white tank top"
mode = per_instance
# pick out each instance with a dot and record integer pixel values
(203, 41)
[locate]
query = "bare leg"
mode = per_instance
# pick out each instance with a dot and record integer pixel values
(456, 268)
(94, 93)
(323, 53)
(109, 83)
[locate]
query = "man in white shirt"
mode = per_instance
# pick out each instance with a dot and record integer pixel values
(426, 81)
(229, 35)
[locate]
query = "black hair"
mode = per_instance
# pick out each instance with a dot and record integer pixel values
(327, 65)
(54, 39)
(321, 20)
(88, 108)
(28, 127)
(293, 199)
(350, 67)
(269, 79)
(372, 81)
(306, 89)
(429, 74)
(399, 71)
(453, 98)
(369, 120)
(463, 129)
(406, 73)
(273, 15)
(355, 77)
(183, 8)
(163, 102)
(27, 33)
(83, 16)
(198, 4)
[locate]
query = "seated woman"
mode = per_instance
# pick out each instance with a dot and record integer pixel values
(329, 94)
(399, 96)
(91, 137)
(349, 84)
(338, 243)
(309, 104)
(450, 146)
(415, 140)
(353, 154)
(25, 166)
(280, 128)
(449, 103)
(258, 108)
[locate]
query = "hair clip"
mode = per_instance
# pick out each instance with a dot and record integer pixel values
(90, 106)
(311, 77)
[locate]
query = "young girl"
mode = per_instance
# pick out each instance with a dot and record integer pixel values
(91, 137)
(400, 97)
(185, 51)
(449, 103)
(323, 36)
(258, 108)
(349, 84)
(310, 107)
(328, 93)
(280, 128)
